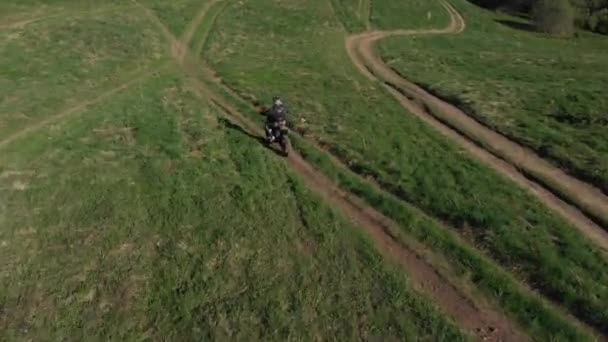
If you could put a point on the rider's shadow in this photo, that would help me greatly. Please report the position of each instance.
(260, 139)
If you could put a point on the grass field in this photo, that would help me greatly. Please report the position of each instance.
(361, 125)
(175, 14)
(410, 14)
(147, 215)
(546, 93)
(131, 208)
(456, 259)
(358, 15)
(186, 229)
(70, 57)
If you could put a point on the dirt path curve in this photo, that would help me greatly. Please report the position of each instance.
(482, 322)
(79, 107)
(521, 165)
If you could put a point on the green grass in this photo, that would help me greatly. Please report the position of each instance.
(410, 14)
(359, 123)
(35, 8)
(201, 34)
(149, 216)
(175, 14)
(70, 59)
(352, 14)
(540, 320)
(546, 93)
(465, 264)
(357, 15)
(15, 13)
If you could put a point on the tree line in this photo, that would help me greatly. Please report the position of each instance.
(559, 17)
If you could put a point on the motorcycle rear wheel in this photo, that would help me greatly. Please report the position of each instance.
(285, 145)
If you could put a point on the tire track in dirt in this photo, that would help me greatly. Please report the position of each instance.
(480, 321)
(521, 165)
(78, 108)
(211, 21)
(189, 32)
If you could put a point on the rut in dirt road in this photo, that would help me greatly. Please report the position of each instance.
(482, 322)
(584, 206)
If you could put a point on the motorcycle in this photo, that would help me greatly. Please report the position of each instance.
(277, 132)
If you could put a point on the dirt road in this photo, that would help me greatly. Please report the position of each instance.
(583, 205)
(482, 322)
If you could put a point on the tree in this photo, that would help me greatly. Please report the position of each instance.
(598, 21)
(554, 17)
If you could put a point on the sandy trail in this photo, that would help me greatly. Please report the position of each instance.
(482, 322)
(583, 205)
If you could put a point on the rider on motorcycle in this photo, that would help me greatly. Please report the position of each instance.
(274, 117)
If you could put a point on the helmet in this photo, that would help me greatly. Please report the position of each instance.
(276, 101)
